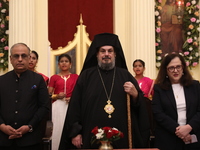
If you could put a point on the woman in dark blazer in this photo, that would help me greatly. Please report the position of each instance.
(176, 106)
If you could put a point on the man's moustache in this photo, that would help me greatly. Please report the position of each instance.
(106, 58)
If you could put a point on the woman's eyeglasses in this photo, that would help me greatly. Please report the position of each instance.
(172, 68)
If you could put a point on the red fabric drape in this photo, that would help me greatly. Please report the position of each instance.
(64, 16)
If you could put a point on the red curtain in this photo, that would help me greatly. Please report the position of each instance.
(64, 16)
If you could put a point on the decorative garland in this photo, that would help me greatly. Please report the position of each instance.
(158, 9)
(4, 19)
(191, 22)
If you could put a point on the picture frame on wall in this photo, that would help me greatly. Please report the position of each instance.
(177, 30)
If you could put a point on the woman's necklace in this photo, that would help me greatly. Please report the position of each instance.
(177, 92)
(65, 82)
(109, 108)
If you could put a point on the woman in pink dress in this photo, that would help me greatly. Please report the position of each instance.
(60, 87)
(146, 85)
(33, 62)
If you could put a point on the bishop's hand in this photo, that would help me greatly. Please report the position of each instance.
(77, 141)
(130, 89)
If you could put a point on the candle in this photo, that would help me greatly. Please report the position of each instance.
(179, 3)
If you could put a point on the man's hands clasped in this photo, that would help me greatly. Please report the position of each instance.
(14, 133)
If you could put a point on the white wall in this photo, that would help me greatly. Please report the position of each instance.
(29, 24)
(134, 24)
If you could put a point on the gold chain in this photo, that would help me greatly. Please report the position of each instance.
(109, 108)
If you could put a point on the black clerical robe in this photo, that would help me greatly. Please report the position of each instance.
(86, 109)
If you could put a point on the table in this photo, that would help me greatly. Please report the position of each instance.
(127, 149)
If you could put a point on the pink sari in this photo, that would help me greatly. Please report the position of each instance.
(146, 85)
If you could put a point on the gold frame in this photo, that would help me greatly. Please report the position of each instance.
(80, 43)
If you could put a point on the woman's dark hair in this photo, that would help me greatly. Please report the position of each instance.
(36, 54)
(65, 55)
(141, 61)
(162, 79)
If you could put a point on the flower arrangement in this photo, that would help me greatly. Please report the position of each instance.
(158, 9)
(106, 134)
(191, 28)
(4, 18)
(190, 49)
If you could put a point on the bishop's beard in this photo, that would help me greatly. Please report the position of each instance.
(106, 66)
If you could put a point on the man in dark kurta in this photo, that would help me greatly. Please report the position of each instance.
(24, 102)
(104, 76)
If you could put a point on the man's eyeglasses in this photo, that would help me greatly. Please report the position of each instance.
(172, 68)
(17, 56)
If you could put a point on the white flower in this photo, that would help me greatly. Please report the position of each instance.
(195, 38)
(158, 64)
(190, 58)
(198, 28)
(197, 21)
(159, 17)
(7, 32)
(189, 12)
(196, 54)
(100, 133)
(190, 48)
(158, 58)
(3, 10)
(156, 13)
(193, 2)
(188, 33)
(158, 40)
(2, 61)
